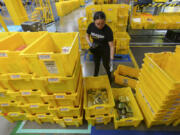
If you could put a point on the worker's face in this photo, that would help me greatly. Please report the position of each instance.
(100, 23)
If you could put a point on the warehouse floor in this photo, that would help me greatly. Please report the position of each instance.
(139, 46)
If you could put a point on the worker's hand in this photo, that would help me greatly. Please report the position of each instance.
(90, 44)
(111, 65)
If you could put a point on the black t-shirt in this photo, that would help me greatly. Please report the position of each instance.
(101, 37)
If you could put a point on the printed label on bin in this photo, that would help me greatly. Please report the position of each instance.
(128, 120)
(60, 96)
(13, 114)
(176, 104)
(41, 116)
(26, 93)
(99, 119)
(68, 120)
(3, 55)
(51, 67)
(100, 107)
(44, 57)
(172, 108)
(15, 76)
(178, 99)
(53, 79)
(2, 95)
(64, 109)
(34, 106)
(5, 104)
(169, 112)
(125, 81)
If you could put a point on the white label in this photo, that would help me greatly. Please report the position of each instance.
(5, 104)
(128, 120)
(26, 93)
(53, 80)
(15, 76)
(41, 116)
(2, 95)
(51, 67)
(44, 57)
(64, 109)
(169, 112)
(110, 9)
(100, 107)
(13, 114)
(34, 106)
(66, 50)
(172, 108)
(68, 120)
(178, 99)
(177, 22)
(59, 96)
(99, 119)
(3, 55)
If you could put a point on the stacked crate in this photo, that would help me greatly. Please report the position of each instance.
(116, 18)
(41, 77)
(98, 113)
(83, 24)
(158, 89)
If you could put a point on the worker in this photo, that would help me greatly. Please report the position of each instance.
(102, 46)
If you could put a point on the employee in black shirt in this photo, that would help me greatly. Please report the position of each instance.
(102, 46)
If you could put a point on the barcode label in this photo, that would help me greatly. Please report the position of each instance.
(5, 104)
(41, 116)
(44, 57)
(26, 93)
(15, 76)
(13, 114)
(34, 106)
(51, 67)
(60, 96)
(3, 55)
(128, 120)
(68, 120)
(100, 107)
(64, 109)
(53, 80)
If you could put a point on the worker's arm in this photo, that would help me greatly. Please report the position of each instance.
(88, 39)
(111, 45)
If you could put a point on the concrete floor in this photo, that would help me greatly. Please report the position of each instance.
(69, 24)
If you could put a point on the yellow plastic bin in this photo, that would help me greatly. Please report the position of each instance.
(5, 97)
(82, 22)
(121, 27)
(42, 118)
(35, 108)
(28, 96)
(4, 35)
(122, 40)
(137, 115)
(99, 119)
(125, 81)
(176, 123)
(66, 99)
(128, 71)
(53, 54)
(10, 49)
(111, 11)
(69, 121)
(162, 64)
(15, 116)
(137, 22)
(95, 83)
(58, 84)
(90, 10)
(66, 111)
(11, 106)
(21, 81)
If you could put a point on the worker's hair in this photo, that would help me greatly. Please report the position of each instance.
(99, 15)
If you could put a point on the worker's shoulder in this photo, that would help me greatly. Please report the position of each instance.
(108, 28)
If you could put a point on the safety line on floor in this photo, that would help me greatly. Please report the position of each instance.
(20, 130)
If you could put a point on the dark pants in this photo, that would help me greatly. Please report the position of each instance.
(103, 54)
